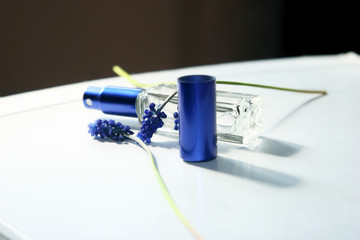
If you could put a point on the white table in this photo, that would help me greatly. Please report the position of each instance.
(301, 182)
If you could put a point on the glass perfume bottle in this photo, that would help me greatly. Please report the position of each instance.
(238, 115)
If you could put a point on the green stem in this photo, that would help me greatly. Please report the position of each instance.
(121, 72)
(273, 87)
(166, 101)
(164, 189)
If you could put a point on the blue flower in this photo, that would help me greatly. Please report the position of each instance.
(109, 130)
(152, 120)
(176, 121)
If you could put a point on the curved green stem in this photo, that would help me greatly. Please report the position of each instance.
(164, 189)
(166, 101)
(122, 73)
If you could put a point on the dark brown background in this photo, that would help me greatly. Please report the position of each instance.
(49, 43)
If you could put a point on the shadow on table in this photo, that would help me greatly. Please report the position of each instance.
(169, 144)
(276, 147)
(248, 171)
(267, 146)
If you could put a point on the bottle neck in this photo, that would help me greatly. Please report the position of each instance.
(112, 100)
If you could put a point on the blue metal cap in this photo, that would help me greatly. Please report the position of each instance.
(197, 117)
(112, 100)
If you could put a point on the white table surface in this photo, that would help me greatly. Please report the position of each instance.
(301, 182)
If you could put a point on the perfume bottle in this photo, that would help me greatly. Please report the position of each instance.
(238, 115)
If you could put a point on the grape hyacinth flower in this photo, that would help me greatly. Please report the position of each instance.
(176, 121)
(152, 120)
(109, 129)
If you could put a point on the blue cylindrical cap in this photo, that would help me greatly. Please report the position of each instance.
(112, 100)
(197, 117)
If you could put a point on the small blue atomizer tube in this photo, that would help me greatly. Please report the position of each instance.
(197, 117)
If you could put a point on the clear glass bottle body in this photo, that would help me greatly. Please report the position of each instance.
(238, 115)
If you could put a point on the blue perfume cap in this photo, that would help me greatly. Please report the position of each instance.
(197, 117)
(112, 100)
